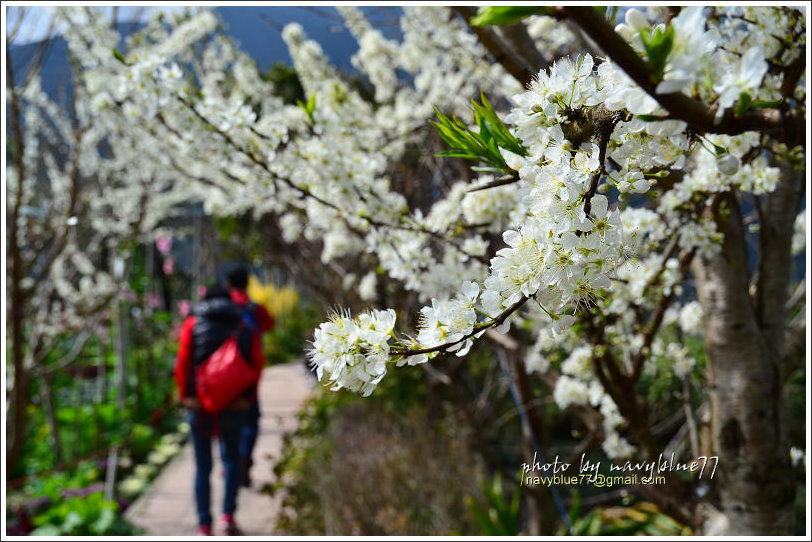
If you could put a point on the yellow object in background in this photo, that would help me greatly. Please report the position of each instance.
(280, 302)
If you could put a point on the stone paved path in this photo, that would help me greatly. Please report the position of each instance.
(167, 508)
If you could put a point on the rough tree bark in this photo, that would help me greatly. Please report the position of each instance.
(15, 413)
(754, 479)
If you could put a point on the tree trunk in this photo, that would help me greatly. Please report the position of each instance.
(15, 415)
(15, 412)
(754, 478)
(541, 516)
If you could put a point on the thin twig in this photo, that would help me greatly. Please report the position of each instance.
(445, 346)
(501, 181)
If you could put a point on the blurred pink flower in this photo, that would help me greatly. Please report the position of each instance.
(130, 295)
(184, 307)
(152, 300)
(164, 244)
(201, 292)
(102, 333)
(169, 266)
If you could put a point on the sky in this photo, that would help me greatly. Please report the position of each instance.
(36, 19)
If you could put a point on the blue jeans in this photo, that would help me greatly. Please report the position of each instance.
(201, 424)
(250, 429)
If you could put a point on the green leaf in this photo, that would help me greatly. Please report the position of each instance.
(498, 15)
(658, 46)
(762, 104)
(309, 108)
(502, 135)
(575, 509)
(117, 54)
(486, 169)
(745, 100)
(610, 13)
(482, 146)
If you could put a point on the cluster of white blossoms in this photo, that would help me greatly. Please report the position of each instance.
(721, 61)
(682, 361)
(691, 318)
(496, 207)
(352, 352)
(450, 321)
(577, 385)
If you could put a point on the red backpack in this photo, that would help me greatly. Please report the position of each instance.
(224, 376)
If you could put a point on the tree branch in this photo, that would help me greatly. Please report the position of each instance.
(445, 346)
(65, 360)
(788, 127)
(502, 52)
(501, 181)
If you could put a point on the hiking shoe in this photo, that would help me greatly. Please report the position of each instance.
(204, 530)
(229, 526)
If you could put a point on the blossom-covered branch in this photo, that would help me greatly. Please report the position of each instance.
(787, 124)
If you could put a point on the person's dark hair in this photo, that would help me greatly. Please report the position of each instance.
(217, 292)
(238, 278)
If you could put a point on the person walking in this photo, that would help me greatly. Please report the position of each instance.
(210, 324)
(257, 316)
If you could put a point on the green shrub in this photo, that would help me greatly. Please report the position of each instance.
(83, 516)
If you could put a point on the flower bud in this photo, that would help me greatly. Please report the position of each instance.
(636, 19)
(728, 164)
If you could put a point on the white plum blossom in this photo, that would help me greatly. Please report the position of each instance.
(352, 352)
(450, 321)
(690, 51)
(570, 391)
(751, 70)
(728, 164)
(690, 318)
(616, 447)
(797, 457)
(682, 361)
(634, 181)
(367, 286)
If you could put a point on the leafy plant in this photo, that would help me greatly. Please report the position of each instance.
(309, 108)
(83, 516)
(482, 146)
(499, 516)
(643, 518)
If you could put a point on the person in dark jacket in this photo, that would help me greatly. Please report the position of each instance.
(209, 325)
(259, 317)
